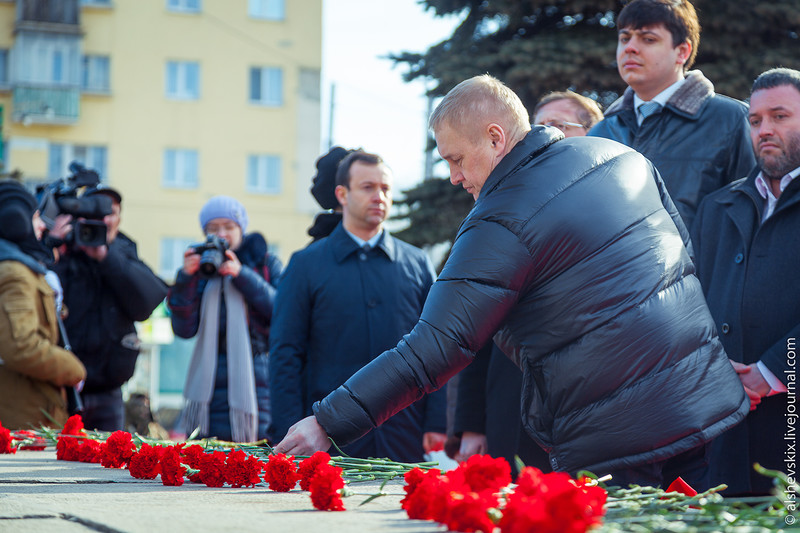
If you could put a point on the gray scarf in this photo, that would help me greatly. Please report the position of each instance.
(203, 366)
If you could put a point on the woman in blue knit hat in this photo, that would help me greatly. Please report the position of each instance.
(229, 310)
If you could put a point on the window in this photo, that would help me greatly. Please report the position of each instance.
(104, 3)
(43, 58)
(266, 86)
(183, 80)
(267, 9)
(171, 260)
(95, 75)
(3, 67)
(264, 174)
(61, 155)
(180, 169)
(186, 6)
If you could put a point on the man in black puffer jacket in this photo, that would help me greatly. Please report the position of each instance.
(106, 289)
(575, 256)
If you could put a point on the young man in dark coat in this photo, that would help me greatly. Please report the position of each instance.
(343, 300)
(106, 289)
(697, 139)
(748, 250)
(575, 256)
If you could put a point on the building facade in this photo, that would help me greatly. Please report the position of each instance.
(172, 102)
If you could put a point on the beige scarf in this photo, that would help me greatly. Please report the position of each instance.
(203, 366)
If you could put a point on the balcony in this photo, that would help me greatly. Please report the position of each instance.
(58, 16)
(46, 104)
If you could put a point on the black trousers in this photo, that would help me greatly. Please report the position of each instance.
(691, 465)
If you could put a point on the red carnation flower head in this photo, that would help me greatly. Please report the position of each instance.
(469, 511)
(144, 464)
(117, 450)
(281, 473)
(5, 441)
(73, 426)
(89, 450)
(485, 473)
(192, 455)
(68, 448)
(29, 438)
(326, 488)
(212, 469)
(308, 467)
(172, 471)
(242, 470)
(416, 507)
(529, 481)
(429, 499)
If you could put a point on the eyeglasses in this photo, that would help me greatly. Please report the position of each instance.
(563, 125)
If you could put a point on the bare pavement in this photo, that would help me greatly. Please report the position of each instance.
(42, 495)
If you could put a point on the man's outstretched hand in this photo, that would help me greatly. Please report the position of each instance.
(304, 438)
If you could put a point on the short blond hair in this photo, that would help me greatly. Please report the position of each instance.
(478, 101)
(588, 110)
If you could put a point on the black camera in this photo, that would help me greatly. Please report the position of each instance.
(212, 255)
(61, 197)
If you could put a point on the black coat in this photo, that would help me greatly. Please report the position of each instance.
(699, 142)
(749, 274)
(104, 300)
(570, 253)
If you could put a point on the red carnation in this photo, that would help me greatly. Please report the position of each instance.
(89, 450)
(73, 426)
(416, 507)
(485, 473)
(308, 467)
(212, 469)
(242, 470)
(172, 471)
(144, 464)
(35, 442)
(280, 473)
(192, 455)
(5, 441)
(117, 450)
(68, 448)
(469, 511)
(325, 488)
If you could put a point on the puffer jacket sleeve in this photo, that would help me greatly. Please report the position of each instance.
(257, 292)
(137, 290)
(669, 205)
(25, 347)
(183, 301)
(479, 285)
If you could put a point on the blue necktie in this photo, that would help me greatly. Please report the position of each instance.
(649, 108)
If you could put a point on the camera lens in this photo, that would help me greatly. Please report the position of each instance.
(210, 262)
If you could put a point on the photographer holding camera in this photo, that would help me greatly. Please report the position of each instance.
(224, 295)
(34, 370)
(106, 289)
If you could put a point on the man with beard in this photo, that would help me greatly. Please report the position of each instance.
(748, 249)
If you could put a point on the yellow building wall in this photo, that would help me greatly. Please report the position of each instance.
(137, 122)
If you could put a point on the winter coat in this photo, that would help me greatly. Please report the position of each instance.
(572, 252)
(33, 368)
(104, 299)
(746, 269)
(699, 142)
(257, 281)
(338, 307)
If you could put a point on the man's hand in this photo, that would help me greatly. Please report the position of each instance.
(98, 253)
(472, 444)
(432, 441)
(304, 438)
(62, 225)
(753, 381)
(231, 267)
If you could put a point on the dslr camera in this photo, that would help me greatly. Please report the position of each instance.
(62, 197)
(212, 255)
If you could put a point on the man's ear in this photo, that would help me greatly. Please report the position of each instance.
(497, 136)
(684, 51)
(341, 194)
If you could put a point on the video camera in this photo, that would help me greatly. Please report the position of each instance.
(61, 197)
(212, 254)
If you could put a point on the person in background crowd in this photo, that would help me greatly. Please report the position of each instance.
(697, 139)
(322, 188)
(568, 111)
(487, 416)
(748, 250)
(344, 299)
(575, 256)
(106, 289)
(229, 310)
(34, 370)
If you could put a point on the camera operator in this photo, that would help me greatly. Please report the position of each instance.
(34, 370)
(106, 289)
(225, 297)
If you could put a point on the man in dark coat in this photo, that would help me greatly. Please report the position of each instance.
(696, 138)
(574, 255)
(345, 299)
(106, 289)
(748, 251)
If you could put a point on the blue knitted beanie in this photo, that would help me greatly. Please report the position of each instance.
(224, 207)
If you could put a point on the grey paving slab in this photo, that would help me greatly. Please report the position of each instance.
(40, 494)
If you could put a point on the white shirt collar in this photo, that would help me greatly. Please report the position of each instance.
(766, 191)
(372, 242)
